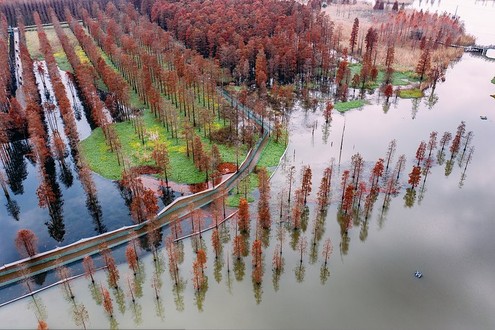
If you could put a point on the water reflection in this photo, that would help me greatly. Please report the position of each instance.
(324, 275)
(342, 229)
(386, 186)
(12, 157)
(239, 269)
(178, 292)
(137, 313)
(94, 208)
(120, 299)
(200, 295)
(50, 197)
(300, 272)
(224, 249)
(12, 208)
(37, 305)
(80, 315)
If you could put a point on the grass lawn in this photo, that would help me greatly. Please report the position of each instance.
(404, 78)
(399, 78)
(345, 106)
(244, 189)
(104, 162)
(78, 49)
(33, 45)
(413, 93)
(270, 158)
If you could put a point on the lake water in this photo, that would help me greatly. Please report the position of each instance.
(447, 234)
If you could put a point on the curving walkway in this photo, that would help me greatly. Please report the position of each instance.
(180, 207)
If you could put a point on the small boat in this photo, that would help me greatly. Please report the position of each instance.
(418, 274)
(483, 118)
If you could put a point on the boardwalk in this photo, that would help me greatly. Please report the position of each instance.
(486, 51)
(178, 208)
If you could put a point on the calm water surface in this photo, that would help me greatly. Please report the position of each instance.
(447, 234)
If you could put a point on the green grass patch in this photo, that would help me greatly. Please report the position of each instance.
(104, 162)
(270, 158)
(62, 61)
(346, 106)
(399, 78)
(244, 189)
(33, 45)
(355, 69)
(404, 78)
(413, 93)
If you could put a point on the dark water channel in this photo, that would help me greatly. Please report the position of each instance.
(446, 232)
(73, 217)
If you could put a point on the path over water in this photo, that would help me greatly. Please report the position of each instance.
(178, 208)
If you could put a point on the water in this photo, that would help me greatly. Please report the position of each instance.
(73, 217)
(447, 234)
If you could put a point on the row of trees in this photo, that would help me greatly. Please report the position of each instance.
(170, 80)
(48, 191)
(43, 96)
(66, 110)
(13, 9)
(6, 66)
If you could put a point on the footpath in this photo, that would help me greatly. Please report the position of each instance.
(42, 262)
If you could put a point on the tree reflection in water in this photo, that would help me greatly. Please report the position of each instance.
(200, 295)
(324, 274)
(12, 157)
(229, 265)
(137, 313)
(178, 291)
(239, 269)
(12, 208)
(300, 271)
(53, 195)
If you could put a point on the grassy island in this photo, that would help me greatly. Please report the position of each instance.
(182, 170)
